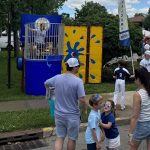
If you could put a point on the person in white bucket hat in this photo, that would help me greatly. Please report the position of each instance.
(147, 47)
(69, 90)
(145, 62)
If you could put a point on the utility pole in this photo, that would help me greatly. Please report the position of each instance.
(9, 45)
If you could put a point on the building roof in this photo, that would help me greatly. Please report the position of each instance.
(137, 19)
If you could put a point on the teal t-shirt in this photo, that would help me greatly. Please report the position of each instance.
(93, 122)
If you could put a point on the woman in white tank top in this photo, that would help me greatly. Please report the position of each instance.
(140, 121)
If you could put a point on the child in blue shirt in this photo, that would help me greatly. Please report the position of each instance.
(93, 132)
(112, 140)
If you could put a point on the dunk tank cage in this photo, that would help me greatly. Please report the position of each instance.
(43, 54)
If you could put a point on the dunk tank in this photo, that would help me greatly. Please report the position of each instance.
(42, 37)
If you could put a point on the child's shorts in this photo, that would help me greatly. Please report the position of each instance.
(91, 146)
(112, 143)
(69, 127)
(142, 131)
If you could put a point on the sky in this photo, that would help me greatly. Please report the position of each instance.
(132, 6)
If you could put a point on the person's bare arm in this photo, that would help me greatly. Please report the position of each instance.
(114, 77)
(106, 126)
(136, 111)
(135, 115)
(98, 146)
(83, 105)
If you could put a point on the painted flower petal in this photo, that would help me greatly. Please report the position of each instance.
(82, 37)
(92, 76)
(81, 49)
(93, 61)
(80, 75)
(66, 34)
(74, 31)
(93, 36)
(98, 41)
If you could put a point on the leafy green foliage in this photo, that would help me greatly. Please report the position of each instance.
(147, 20)
(18, 7)
(94, 14)
(90, 14)
(67, 20)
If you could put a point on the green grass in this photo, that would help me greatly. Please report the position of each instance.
(29, 119)
(106, 88)
(21, 120)
(15, 92)
(34, 118)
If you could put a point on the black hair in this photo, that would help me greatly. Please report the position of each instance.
(68, 68)
(112, 107)
(143, 75)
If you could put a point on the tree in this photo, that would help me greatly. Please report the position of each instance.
(94, 14)
(91, 14)
(18, 7)
(67, 20)
(139, 14)
(147, 21)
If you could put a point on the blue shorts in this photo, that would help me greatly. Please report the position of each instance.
(142, 131)
(67, 127)
(91, 146)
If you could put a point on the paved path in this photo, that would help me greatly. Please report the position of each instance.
(81, 145)
(28, 104)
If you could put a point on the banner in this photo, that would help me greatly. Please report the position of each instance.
(124, 35)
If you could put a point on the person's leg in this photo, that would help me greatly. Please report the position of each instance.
(135, 145)
(116, 92)
(122, 99)
(61, 132)
(148, 144)
(71, 144)
(59, 143)
(107, 148)
(72, 131)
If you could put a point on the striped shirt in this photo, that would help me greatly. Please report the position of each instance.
(145, 106)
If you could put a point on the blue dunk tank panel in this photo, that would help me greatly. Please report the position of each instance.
(37, 71)
(75, 45)
(75, 42)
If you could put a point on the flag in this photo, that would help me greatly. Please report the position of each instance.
(124, 35)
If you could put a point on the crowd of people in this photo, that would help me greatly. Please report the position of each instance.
(69, 92)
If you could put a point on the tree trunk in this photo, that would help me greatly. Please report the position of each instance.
(16, 43)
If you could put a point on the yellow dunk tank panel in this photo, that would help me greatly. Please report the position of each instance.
(75, 42)
(75, 45)
(95, 57)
